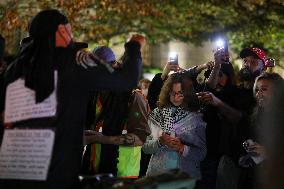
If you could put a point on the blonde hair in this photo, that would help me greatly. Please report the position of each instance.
(144, 80)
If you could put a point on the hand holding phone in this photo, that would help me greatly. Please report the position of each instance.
(221, 53)
(247, 144)
(256, 151)
(173, 58)
(139, 38)
(270, 62)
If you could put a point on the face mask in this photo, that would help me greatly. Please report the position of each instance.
(63, 36)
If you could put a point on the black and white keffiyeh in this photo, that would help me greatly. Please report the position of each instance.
(83, 59)
(86, 60)
(166, 118)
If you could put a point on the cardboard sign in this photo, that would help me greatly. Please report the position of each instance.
(26, 154)
(20, 103)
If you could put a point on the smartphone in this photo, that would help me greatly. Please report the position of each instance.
(173, 58)
(255, 157)
(270, 62)
(247, 144)
(171, 133)
(222, 45)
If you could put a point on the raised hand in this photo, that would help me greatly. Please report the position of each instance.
(172, 143)
(85, 59)
(169, 67)
(257, 148)
(139, 38)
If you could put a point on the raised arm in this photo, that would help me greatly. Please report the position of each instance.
(100, 78)
(212, 81)
(219, 59)
(232, 115)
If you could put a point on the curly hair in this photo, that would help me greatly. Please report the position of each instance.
(190, 101)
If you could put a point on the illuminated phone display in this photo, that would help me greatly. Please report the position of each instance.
(173, 58)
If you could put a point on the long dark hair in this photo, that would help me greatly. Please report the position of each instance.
(226, 69)
(257, 117)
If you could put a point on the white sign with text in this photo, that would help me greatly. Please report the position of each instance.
(20, 103)
(26, 154)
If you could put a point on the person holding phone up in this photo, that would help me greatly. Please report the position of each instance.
(217, 99)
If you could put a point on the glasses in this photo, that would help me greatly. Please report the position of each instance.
(179, 93)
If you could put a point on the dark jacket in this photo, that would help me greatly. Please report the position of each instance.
(154, 90)
(73, 88)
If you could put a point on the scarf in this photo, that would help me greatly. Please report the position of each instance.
(166, 118)
(36, 60)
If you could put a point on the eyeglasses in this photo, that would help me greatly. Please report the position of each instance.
(179, 93)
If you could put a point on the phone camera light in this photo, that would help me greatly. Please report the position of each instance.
(173, 55)
(220, 43)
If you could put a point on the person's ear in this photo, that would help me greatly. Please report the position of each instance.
(63, 36)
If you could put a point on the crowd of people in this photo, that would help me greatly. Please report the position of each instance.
(106, 121)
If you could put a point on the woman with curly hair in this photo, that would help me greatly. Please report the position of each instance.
(177, 137)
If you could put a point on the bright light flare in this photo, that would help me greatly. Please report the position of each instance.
(172, 55)
(220, 43)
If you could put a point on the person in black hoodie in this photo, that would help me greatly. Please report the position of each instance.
(51, 52)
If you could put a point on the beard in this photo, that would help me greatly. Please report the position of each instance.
(246, 74)
(260, 103)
